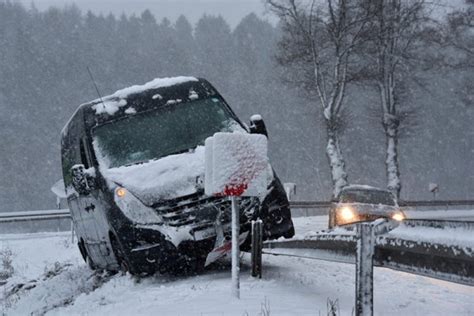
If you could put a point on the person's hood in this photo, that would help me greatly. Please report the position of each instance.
(163, 179)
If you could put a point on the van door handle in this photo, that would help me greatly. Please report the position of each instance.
(90, 207)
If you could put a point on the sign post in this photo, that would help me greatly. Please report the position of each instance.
(235, 248)
(236, 166)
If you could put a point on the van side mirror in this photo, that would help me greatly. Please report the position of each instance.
(257, 125)
(81, 180)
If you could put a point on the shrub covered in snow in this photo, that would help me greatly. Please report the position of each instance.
(6, 258)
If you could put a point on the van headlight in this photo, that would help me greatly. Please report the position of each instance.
(134, 209)
(398, 216)
(347, 213)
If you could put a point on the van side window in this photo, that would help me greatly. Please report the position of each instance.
(84, 157)
(68, 161)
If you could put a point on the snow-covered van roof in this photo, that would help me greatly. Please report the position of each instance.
(139, 98)
(112, 103)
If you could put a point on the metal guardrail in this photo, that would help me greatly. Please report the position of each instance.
(31, 215)
(454, 262)
(308, 208)
(309, 204)
(35, 221)
(34, 215)
(437, 203)
(377, 244)
(326, 204)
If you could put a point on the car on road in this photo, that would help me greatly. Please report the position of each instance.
(358, 203)
(133, 168)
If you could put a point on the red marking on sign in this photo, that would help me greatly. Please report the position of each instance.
(247, 171)
(234, 190)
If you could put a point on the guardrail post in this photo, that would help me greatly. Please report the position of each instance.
(256, 251)
(364, 295)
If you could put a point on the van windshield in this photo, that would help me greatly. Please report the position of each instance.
(367, 197)
(171, 130)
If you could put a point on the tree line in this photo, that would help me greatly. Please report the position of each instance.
(44, 57)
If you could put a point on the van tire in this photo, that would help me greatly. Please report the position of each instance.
(290, 233)
(82, 249)
(85, 255)
(90, 263)
(122, 262)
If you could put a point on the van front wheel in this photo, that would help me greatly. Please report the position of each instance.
(85, 255)
(90, 263)
(122, 261)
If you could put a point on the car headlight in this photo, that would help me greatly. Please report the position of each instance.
(134, 209)
(399, 216)
(347, 213)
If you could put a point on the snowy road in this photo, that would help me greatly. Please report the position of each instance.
(61, 284)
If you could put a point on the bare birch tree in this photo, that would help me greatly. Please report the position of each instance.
(392, 49)
(459, 31)
(317, 48)
(458, 34)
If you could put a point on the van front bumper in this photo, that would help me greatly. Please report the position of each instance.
(151, 251)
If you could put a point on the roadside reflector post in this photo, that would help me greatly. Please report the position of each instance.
(236, 166)
(364, 296)
(256, 251)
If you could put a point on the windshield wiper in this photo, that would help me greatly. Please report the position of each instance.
(182, 151)
(137, 162)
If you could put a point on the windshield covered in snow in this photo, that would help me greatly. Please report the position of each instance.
(152, 135)
(367, 197)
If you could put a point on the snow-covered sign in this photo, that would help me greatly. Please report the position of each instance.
(236, 164)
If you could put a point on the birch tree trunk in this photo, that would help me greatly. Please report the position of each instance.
(391, 124)
(319, 43)
(336, 161)
(397, 26)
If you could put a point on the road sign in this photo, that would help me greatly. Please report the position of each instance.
(236, 165)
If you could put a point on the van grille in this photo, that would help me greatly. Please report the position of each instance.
(200, 211)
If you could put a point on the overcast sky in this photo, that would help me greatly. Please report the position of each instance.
(232, 10)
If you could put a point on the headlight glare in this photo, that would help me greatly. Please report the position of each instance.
(347, 213)
(398, 217)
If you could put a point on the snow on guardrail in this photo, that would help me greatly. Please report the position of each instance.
(435, 248)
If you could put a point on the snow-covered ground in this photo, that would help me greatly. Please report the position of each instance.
(454, 215)
(57, 282)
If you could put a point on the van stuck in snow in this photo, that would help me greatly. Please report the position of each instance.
(133, 168)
